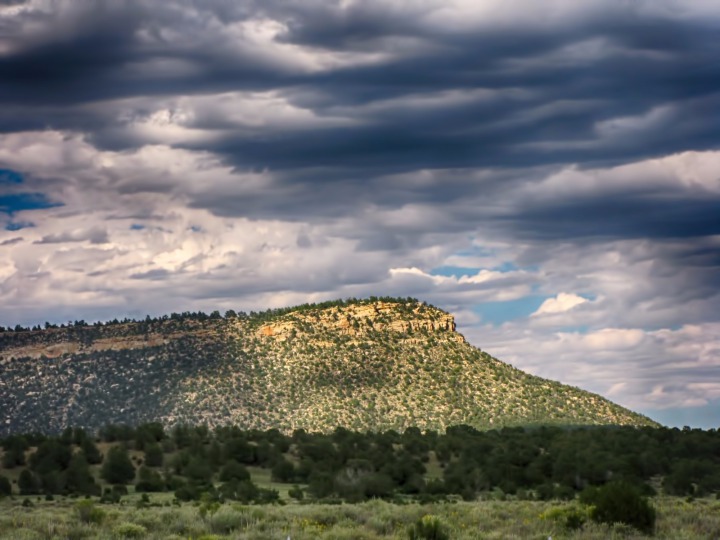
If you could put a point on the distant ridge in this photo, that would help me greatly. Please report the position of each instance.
(374, 364)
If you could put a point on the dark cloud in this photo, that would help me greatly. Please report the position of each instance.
(11, 241)
(599, 87)
(620, 63)
(152, 275)
(94, 236)
(617, 217)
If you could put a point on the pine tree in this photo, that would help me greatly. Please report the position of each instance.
(5, 487)
(28, 483)
(78, 478)
(117, 468)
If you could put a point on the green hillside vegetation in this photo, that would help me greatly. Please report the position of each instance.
(374, 364)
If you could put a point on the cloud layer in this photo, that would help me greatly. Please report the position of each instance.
(546, 172)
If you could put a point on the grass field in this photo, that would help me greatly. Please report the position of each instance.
(678, 519)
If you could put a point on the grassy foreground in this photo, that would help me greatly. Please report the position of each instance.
(678, 519)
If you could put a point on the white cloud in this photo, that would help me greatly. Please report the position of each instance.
(613, 339)
(561, 303)
(484, 286)
(641, 369)
(690, 172)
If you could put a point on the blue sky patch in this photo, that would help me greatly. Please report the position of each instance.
(704, 417)
(17, 202)
(457, 271)
(17, 225)
(577, 329)
(500, 312)
(8, 176)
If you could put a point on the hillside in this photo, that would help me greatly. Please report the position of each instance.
(363, 364)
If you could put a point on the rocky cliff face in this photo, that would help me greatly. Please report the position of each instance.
(359, 320)
(57, 343)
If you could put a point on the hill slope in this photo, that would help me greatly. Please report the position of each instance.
(373, 364)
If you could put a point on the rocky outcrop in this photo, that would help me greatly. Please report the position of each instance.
(36, 350)
(359, 319)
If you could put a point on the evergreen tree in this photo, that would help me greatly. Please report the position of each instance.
(14, 454)
(154, 455)
(28, 484)
(13, 457)
(198, 470)
(51, 456)
(91, 451)
(117, 467)
(78, 478)
(149, 480)
(283, 471)
(5, 487)
(232, 470)
(52, 482)
(244, 491)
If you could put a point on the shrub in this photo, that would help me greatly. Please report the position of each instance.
(110, 496)
(296, 493)
(144, 501)
(267, 496)
(226, 520)
(208, 508)
(188, 492)
(569, 517)
(620, 502)
(129, 530)
(87, 512)
(428, 528)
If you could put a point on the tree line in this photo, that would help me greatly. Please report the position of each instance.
(539, 463)
(259, 316)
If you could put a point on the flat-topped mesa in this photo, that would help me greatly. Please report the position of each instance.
(370, 364)
(359, 319)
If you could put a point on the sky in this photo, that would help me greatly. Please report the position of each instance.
(548, 172)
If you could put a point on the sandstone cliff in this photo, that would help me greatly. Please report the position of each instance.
(357, 320)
